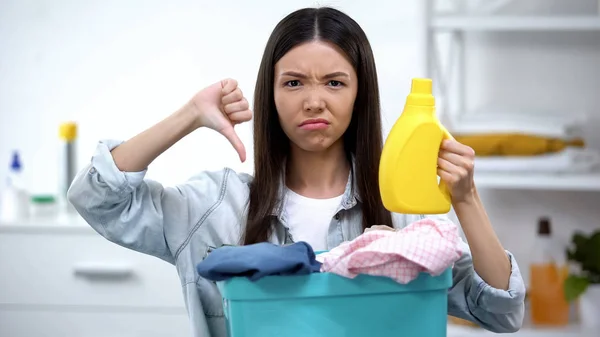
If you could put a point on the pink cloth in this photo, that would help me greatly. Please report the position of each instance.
(423, 246)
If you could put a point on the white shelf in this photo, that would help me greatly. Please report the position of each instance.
(571, 331)
(539, 181)
(515, 23)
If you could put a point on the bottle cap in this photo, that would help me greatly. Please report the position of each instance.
(15, 164)
(422, 86)
(544, 226)
(68, 131)
(421, 92)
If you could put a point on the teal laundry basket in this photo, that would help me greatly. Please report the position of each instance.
(329, 305)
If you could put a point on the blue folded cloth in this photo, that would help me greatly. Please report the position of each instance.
(259, 260)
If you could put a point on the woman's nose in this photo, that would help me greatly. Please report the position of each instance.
(314, 103)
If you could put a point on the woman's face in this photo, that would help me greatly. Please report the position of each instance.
(315, 89)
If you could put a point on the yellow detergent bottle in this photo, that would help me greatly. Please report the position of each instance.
(408, 168)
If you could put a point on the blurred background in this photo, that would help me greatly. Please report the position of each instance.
(517, 80)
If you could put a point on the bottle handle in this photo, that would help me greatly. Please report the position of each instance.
(442, 185)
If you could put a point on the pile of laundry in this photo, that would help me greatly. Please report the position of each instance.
(424, 246)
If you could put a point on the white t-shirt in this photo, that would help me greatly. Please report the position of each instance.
(308, 219)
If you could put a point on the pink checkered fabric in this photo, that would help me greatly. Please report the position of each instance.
(423, 246)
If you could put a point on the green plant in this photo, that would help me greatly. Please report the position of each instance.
(585, 252)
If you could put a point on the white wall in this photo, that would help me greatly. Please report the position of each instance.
(118, 67)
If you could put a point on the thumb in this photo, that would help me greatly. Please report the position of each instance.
(233, 138)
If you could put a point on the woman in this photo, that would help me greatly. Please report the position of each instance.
(317, 141)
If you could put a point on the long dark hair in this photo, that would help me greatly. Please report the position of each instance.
(362, 140)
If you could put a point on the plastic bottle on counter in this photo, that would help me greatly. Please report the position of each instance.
(547, 274)
(43, 206)
(14, 198)
(67, 169)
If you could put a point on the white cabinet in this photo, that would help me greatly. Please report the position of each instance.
(60, 278)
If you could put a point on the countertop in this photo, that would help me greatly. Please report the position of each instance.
(570, 331)
(66, 223)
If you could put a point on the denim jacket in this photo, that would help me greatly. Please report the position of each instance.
(182, 224)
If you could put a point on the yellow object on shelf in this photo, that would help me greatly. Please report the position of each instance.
(68, 131)
(408, 178)
(515, 144)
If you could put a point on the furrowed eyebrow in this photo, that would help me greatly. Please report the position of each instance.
(328, 76)
(293, 74)
(336, 74)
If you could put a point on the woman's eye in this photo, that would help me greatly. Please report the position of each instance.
(293, 83)
(335, 83)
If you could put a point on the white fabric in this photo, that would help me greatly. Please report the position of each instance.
(540, 124)
(308, 219)
(572, 160)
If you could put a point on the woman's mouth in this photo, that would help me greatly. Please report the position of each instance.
(314, 124)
